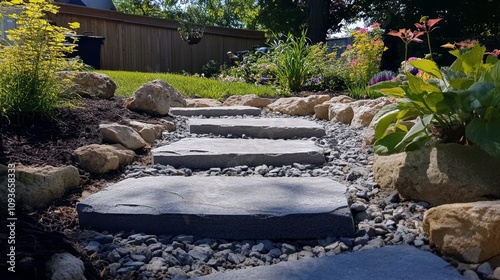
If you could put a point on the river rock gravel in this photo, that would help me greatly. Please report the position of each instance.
(381, 217)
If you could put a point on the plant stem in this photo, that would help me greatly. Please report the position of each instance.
(429, 44)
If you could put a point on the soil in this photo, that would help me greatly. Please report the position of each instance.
(51, 142)
(55, 229)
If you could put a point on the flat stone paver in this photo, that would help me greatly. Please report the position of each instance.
(222, 207)
(205, 153)
(216, 111)
(271, 128)
(387, 263)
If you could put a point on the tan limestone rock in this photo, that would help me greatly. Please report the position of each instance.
(321, 111)
(365, 110)
(341, 112)
(247, 100)
(152, 98)
(469, 232)
(90, 84)
(445, 173)
(37, 187)
(100, 159)
(115, 133)
(148, 131)
(202, 102)
(297, 106)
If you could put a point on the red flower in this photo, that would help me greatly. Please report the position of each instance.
(495, 52)
(427, 25)
(407, 35)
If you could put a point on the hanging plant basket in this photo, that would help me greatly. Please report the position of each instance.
(190, 33)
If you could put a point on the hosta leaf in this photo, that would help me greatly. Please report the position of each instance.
(485, 134)
(384, 122)
(427, 66)
(415, 130)
(387, 144)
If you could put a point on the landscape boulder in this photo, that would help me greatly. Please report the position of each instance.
(321, 111)
(441, 174)
(469, 232)
(153, 98)
(297, 106)
(341, 112)
(64, 266)
(202, 102)
(148, 131)
(37, 187)
(100, 159)
(115, 133)
(90, 84)
(365, 110)
(247, 100)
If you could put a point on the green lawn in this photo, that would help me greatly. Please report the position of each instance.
(128, 82)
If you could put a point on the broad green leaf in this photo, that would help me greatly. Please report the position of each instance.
(417, 85)
(485, 134)
(416, 129)
(478, 89)
(461, 83)
(495, 73)
(388, 88)
(490, 59)
(437, 103)
(387, 144)
(427, 66)
(470, 61)
(418, 142)
(384, 122)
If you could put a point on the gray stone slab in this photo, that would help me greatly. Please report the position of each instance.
(205, 153)
(222, 207)
(216, 111)
(271, 128)
(387, 263)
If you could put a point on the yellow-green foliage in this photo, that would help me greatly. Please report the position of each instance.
(29, 86)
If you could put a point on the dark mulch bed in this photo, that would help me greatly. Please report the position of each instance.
(52, 142)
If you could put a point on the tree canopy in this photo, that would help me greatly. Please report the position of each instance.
(463, 19)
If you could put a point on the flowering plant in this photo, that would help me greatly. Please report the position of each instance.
(363, 57)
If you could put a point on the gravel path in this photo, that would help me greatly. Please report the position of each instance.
(381, 217)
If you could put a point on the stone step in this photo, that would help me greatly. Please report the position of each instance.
(222, 207)
(387, 263)
(271, 128)
(205, 153)
(216, 111)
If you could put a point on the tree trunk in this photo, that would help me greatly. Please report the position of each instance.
(318, 20)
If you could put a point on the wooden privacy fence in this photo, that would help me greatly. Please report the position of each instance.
(146, 44)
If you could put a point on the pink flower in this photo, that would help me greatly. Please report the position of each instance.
(363, 31)
(375, 25)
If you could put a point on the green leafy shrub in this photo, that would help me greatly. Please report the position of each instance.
(29, 86)
(294, 61)
(459, 104)
(211, 69)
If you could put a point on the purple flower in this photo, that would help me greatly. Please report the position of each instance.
(381, 77)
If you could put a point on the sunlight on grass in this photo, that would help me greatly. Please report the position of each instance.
(129, 82)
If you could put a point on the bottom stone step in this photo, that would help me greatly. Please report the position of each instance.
(388, 263)
(222, 207)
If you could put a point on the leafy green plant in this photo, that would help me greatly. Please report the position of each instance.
(211, 69)
(460, 104)
(29, 86)
(292, 58)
